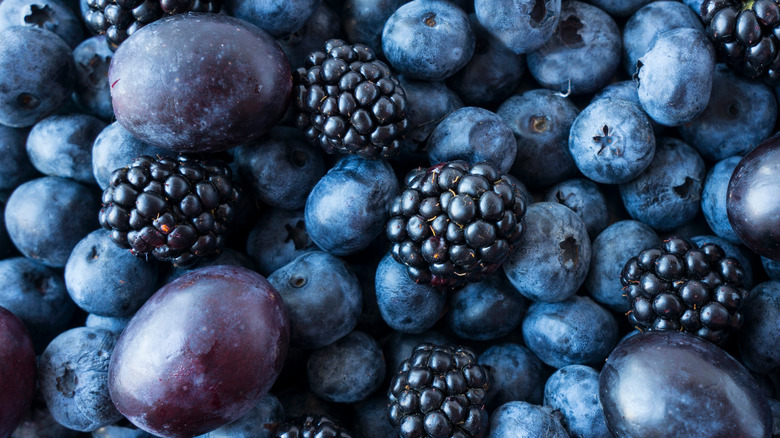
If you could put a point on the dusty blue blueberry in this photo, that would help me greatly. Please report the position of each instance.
(516, 374)
(574, 392)
(739, 252)
(668, 193)
(39, 423)
(114, 324)
(406, 306)
(281, 168)
(107, 280)
(277, 17)
(610, 252)
(259, 422)
(37, 74)
(228, 256)
(323, 24)
(621, 89)
(675, 76)
(585, 198)
(322, 296)
(474, 135)
(15, 166)
(371, 419)
(541, 120)
(650, 21)
(348, 207)
(120, 431)
(619, 8)
(37, 295)
(772, 268)
(486, 310)
(760, 334)
(587, 38)
(428, 39)
(114, 148)
(277, 238)
(73, 378)
(551, 260)
(61, 145)
(52, 15)
(519, 419)
(364, 20)
(48, 216)
(612, 141)
(577, 331)
(6, 246)
(522, 25)
(695, 5)
(348, 370)
(740, 115)
(92, 91)
(714, 197)
(774, 405)
(399, 346)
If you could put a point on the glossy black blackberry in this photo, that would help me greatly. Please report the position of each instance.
(439, 392)
(118, 19)
(746, 34)
(177, 209)
(311, 426)
(455, 223)
(347, 101)
(679, 286)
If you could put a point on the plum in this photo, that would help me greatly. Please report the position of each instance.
(17, 371)
(201, 352)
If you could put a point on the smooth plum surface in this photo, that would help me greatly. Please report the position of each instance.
(201, 352)
(17, 371)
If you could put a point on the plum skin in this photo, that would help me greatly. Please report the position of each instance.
(18, 371)
(201, 352)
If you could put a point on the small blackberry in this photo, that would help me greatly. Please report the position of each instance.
(455, 223)
(176, 209)
(311, 426)
(439, 392)
(746, 35)
(118, 19)
(679, 286)
(347, 101)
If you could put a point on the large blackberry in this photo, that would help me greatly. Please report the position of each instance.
(118, 19)
(455, 223)
(176, 209)
(311, 426)
(679, 286)
(347, 101)
(746, 35)
(439, 392)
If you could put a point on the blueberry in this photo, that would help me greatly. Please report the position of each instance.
(668, 193)
(92, 92)
(280, 18)
(713, 198)
(260, 422)
(521, 25)
(52, 15)
(541, 120)
(429, 103)
(114, 324)
(586, 199)
(371, 419)
(612, 141)
(323, 24)
(620, 8)
(516, 373)
(675, 76)
(15, 166)
(577, 331)
(474, 135)
(519, 419)
(772, 268)
(551, 261)
(428, 39)
(62, 146)
(364, 20)
(322, 296)
(115, 148)
(586, 37)
(574, 392)
(39, 423)
(277, 238)
(120, 431)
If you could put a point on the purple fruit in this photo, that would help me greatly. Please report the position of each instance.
(200, 353)
(17, 371)
(752, 204)
(199, 82)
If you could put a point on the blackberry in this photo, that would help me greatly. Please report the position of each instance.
(679, 286)
(311, 426)
(177, 209)
(347, 101)
(439, 392)
(118, 19)
(455, 223)
(746, 35)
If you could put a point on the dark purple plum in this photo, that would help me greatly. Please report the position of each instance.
(752, 205)
(200, 353)
(675, 384)
(17, 371)
(199, 82)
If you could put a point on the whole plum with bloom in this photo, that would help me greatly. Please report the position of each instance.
(521, 26)
(18, 368)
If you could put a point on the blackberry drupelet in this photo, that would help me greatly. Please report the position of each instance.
(311, 426)
(746, 34)
(176, 209)
(348, 101)
(679, 286)
(439, 392)
(118, 19)
(455, 223)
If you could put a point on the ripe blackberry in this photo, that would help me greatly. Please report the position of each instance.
(311, 426)
(176, 209)
(679, 286)
(439, 392)
(347, 101)
(746, 35)
(118, 19)
(455, 223)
